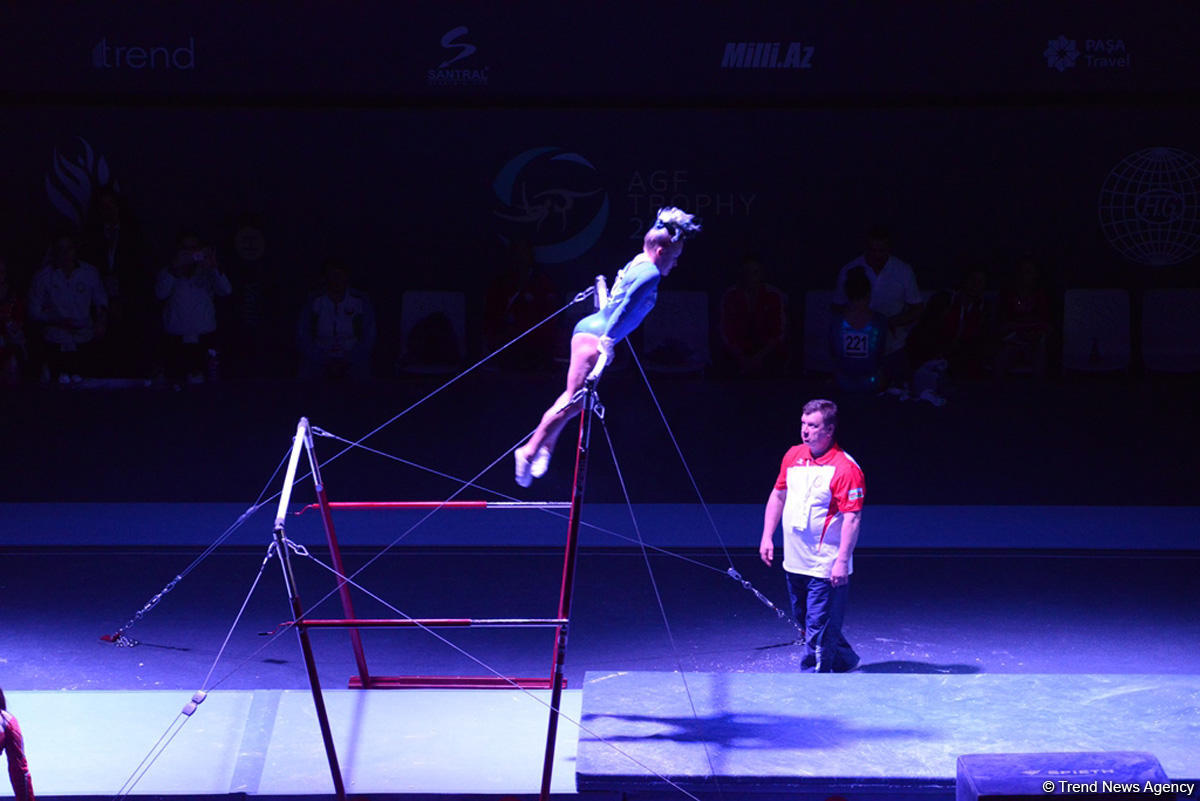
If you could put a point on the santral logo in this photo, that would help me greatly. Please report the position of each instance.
(444, 75)
(448, 42)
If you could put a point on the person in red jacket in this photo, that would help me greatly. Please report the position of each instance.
(753, 324)
(13, 746)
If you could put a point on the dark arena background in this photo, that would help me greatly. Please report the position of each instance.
(1024, 596)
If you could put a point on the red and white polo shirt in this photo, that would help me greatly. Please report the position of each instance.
(819, 491)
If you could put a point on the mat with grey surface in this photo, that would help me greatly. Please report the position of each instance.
(267, 743)
(783, 732)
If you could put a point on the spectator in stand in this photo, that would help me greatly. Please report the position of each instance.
(951, 337)
(966, 327)
(753, 324)
(1025, 327)
(516, 301)
(187, 287)
(258, 300)
(927, 347)
(112, 242)
(337, 329)
(13, 746)
(68, 300)
(857, 338)
(13, 355)
(894, 294)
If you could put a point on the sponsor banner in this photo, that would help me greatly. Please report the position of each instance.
(430, 198)
(1063, 53)
(1149, 206)
(554, 199)
(477, 51)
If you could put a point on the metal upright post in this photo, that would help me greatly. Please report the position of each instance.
(335, 553)
(285, 561)
(299, 442)
(570, 555)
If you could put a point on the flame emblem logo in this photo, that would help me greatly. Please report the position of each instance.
(71, 181)
(553, 198)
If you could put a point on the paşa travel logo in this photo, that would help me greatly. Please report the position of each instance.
(1063, 54)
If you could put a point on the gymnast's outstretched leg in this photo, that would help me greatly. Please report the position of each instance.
(585, 349)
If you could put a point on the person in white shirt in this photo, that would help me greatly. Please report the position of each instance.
(894, 294)
(337, 329)
(187, 288)
(68, 299)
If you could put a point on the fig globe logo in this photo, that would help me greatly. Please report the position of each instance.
(1150, 206)
(1061, 54)
(554, 199)
(72, 180)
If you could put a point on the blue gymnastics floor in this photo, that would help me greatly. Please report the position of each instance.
(931, 626)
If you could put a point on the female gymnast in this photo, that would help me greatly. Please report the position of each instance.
(13, 745)
(634, 292)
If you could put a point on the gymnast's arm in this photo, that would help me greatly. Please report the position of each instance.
(18, 768)
(635, 305)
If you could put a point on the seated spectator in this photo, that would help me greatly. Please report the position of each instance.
(12, 330)
(928, 347)
(68, 300)
(337, 329)
(894, 294)
(187, 288)
(262, 318)
(857, 337)
(112, 242)
(752, 324)
(1025, 327)
(516, 301)
(966, 328)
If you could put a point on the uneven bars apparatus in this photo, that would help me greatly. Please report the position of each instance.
(364, 680)
(303, 438)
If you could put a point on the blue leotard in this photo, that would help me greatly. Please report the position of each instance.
(632, 297)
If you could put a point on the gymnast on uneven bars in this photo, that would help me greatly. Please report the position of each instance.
(634, 292)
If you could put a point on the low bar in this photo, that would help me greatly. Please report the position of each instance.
(510, 505)
(451, 683)
(437, 622)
